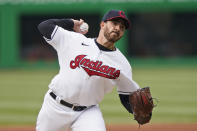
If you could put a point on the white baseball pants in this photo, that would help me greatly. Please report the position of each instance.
(56, 117)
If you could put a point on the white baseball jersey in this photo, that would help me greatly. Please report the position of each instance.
(87, 73)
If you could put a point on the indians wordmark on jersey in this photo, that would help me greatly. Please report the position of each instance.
(94, 68)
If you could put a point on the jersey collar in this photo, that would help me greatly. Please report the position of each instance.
(101, 47)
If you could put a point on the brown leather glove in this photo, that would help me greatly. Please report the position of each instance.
(142, 105)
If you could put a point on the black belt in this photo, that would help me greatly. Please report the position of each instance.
(75, 108)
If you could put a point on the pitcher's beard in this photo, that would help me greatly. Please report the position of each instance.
(110, 37)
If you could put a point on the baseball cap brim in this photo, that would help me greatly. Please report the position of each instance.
(126, 21)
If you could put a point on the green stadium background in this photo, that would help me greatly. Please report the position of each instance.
(161, 46)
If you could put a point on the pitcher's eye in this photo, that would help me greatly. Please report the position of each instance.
(115, 22)
(122, 27)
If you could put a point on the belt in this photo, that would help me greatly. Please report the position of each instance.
(75, 108)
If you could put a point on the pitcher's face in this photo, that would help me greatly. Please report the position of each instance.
(113, 30)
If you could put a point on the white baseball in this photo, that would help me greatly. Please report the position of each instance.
(84, 27)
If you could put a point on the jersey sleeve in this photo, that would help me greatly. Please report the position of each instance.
(60, 37)
(126, 84)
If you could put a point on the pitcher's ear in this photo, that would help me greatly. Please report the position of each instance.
(102, 24)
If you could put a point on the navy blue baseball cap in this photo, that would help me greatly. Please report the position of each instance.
(114, 14)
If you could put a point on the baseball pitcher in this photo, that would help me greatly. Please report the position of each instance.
(89, 68)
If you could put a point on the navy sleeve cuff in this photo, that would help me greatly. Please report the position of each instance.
(46, 27)
(125, 102)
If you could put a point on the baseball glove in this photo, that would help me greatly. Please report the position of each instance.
(142, 105)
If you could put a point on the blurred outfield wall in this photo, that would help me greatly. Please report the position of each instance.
(16, 33)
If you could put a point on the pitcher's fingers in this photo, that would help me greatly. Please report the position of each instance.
(85, 32)
(81, 21)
